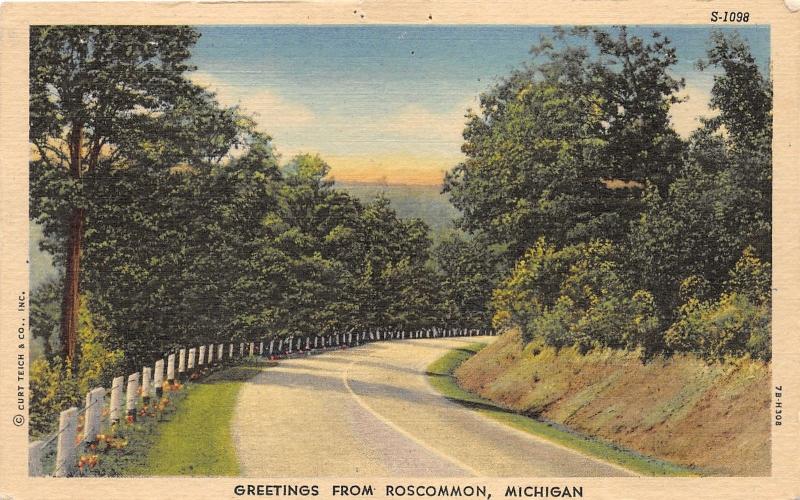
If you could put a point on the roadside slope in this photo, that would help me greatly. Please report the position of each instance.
(682, 410)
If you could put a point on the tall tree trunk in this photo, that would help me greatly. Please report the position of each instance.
(70, 302)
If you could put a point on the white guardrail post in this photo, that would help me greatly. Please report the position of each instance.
(158, 378)
(131, 394)
(171, 369)
(115, 411)
(146, 385)
(182, 364)
(66, 449)
(94, 411)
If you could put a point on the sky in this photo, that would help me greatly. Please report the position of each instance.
(386, 103)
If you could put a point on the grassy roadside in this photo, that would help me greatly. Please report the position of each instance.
(196, 441)
(440, 374)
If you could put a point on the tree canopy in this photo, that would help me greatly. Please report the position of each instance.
(564, 146)
(573, 156)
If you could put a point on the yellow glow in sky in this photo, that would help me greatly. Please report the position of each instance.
(391, 169)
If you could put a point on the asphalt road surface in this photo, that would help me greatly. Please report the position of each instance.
(370, 412)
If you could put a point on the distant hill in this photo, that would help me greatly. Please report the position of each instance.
(424, 202)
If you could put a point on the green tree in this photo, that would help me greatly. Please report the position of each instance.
(562, 147)
(720, 202)
(743, 97)
(741, 93)
(396, 255)
(467, 272)
(99, 96)
(317, 236)
(634, 89)
(176, 255)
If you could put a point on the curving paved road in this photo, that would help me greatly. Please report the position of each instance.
(369, 412)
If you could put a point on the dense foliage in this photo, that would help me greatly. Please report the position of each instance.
(575, 295)
(562, 147)
(613, 230)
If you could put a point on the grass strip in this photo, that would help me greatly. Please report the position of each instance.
(440, 375)
(197, 441)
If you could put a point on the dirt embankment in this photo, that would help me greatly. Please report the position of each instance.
(714, 417)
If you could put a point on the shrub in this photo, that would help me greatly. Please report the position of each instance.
(575, 296)
(531, 289)
(730, 326)
(553, 325)
(97, 364)
(578, 296)
(55, 388)
(751, 277)
(646, 331)
(736, 324)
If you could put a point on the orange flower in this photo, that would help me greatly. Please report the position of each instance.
(87, 460)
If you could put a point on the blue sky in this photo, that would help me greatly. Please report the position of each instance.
(386, 103)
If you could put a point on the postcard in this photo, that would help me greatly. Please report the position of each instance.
(408, 249)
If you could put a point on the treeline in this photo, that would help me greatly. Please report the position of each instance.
(189, 227)
(598, 224)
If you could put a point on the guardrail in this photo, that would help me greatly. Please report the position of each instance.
(79, 430)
